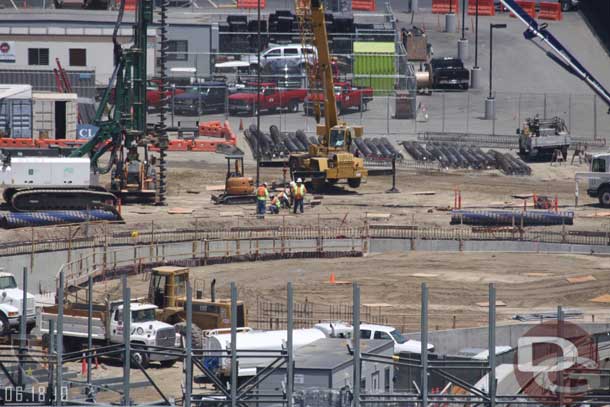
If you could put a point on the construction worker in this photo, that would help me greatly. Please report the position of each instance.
(283, 197)
(299, 194)
(292, 185)
(262, 195)
(275, 205)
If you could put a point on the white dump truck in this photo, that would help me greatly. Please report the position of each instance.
(598, 178)
(256, 341)
(11, 305)
(107, 328)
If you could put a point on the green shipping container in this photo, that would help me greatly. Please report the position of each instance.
(374, 66)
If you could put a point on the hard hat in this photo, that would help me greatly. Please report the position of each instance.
(299, 180)
(264, 183)
(271, 196)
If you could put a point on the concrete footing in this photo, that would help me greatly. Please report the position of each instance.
(475, 77)
(462, 48)
(490, 108)
(450, 23)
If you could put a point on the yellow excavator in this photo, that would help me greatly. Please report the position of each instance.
(331, 160)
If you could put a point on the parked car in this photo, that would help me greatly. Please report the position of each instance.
(207, 97)
(307, 53)
(449, 72)
(272, 98)
(347, 97)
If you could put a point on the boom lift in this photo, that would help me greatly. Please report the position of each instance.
(331, 160)
(43, 183)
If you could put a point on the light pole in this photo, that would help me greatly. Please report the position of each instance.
(475, 73)
(258, 96)
(490, 102)
(463, 42)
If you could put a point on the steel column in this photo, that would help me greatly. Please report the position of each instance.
(290, 347)
(89, 325)
(234, 366)
(491, 336)
(424, 345)
(188, 361)
(356, 339)
(60, 338)
(126, 336)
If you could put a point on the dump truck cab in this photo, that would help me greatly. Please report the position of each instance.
(167, 290)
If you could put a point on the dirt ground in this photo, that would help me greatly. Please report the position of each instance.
(391, 294)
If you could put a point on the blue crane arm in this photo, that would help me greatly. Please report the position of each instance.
(535, 30)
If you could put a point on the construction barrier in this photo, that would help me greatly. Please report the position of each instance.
(486, 8)
(250, 3)
(444, 6)
(130, 5)
(364, 5)
(16, 142)
(204, 145)
(550, 11)
(528, 6)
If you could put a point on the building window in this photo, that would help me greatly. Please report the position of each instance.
(177, 50)
(78, 57)
(38, 56)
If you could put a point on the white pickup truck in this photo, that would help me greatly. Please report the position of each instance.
(251, 340)
(598, 178)
(11, 305)
(107, 328)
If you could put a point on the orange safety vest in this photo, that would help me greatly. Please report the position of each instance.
(262, 193)
(299, 192)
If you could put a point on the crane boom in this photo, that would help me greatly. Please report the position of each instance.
(320, 39)
(534, 30)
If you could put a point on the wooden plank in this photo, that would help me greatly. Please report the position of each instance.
(580, 279)
(423, 193)
(424, 275)
(486, 304)
(180, 211)
(538, 274)
(378, 216)
(605, 299)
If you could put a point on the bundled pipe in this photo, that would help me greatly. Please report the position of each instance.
(362, 147)
(509, 218)
(390, 147)
(300, 134)
(374, 150)
(12, 220)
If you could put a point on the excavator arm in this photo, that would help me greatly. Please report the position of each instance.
(561, 53)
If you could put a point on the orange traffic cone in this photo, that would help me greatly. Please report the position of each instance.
(83, 366)
(332, 278)
(241, 124)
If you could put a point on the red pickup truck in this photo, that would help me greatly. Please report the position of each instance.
(347, 97)
(272, 98)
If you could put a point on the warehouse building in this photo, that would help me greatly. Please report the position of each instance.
(82, 41)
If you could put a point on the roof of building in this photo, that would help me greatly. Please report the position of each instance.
(333, 353)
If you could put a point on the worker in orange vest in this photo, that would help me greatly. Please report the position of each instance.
(262, 195)
(298, 193)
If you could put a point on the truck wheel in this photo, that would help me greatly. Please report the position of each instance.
(168, 363)
(293, 106)
(4, 326)
(354, 182)
(139, 355)
(604, 197)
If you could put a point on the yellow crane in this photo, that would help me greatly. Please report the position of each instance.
(331, 160)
